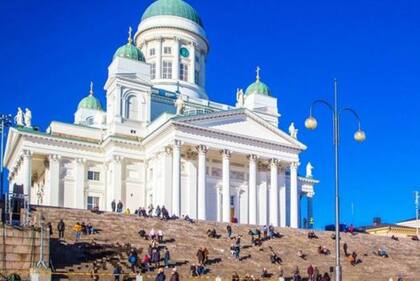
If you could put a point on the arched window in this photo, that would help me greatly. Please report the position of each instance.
(132, 108)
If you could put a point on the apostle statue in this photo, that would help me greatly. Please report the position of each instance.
(28, 118)
(19, 117)
(240, 98)
(293, 131)
(309, 169)
(180, 105)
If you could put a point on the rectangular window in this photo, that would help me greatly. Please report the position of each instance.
(152, 51)
(93, 176)
(167, 50)
(153, 71)
(92, 202)
(167, 70)
(183, 72)
(232, 201)
(197, 77)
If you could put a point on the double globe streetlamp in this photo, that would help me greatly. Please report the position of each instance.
(360, 136)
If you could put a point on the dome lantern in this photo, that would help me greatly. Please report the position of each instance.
(130, 51)
(258, 87)
(90, 102)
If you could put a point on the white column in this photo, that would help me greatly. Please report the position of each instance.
(202, 70)
(54, 174)
(192, 65)
(27, 173)
(238, 205)
(310, 215)
(159, 59)
(116, 179)
(192, 187)
(176, 178)
(202, 204)
(167, 179)
(226, 186)
(252, 181)
(282, 197)
(219, 203)
(175, 70)
(79, 184)
(274, 194)
(294, 199)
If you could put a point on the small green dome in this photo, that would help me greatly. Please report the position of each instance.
(258, 87)
(90, 102)
(176, 8)
(130, 51)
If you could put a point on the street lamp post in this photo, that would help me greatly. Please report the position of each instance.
(6, 120)
(360, 136)
(416, 201)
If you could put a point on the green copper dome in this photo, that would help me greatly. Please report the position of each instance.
(258, 87)
(90, 102)
(130, 51)
(176, 8)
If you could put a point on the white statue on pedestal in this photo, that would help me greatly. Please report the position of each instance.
(240, 98)
(19, 117)
(180, 105)
(309, 169)
(28, 118)
(293, 131)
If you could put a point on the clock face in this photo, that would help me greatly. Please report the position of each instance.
(184, 52)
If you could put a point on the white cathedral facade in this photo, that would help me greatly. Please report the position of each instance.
(160, 140)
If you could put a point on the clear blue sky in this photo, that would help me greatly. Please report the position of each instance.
(52, 49)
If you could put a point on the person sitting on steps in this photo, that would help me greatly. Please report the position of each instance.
(312, 235)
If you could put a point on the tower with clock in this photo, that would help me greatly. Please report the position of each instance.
(176, 48)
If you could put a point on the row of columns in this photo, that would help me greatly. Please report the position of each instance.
(176, 59)
(275, 207)
(52, 188)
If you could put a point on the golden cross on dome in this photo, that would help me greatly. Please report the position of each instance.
(258, 73)
(129, 34)
(91, 88)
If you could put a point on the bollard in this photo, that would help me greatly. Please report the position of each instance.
(139, 277)
(40, 274)
(218, 278)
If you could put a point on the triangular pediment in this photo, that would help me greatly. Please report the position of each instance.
(243, 123)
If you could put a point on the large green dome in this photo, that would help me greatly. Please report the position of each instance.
(176, 8)
(90, 102)
(258, 87)
(130, 51)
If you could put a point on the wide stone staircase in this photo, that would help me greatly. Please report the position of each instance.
(118, 233)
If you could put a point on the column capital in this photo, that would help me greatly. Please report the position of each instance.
(252, 157)
(26, 153)
(54, 157)
(177, 143)
(80, 160)
(226, 153)
(168, 149)
(294, 165)
(117, 158)
(202, 148)
(274, 162)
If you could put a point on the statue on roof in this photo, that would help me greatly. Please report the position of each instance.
(28, 118)
(180, 105)
(240, 98)
(309, 169)
(19, 117)
(293, 131)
